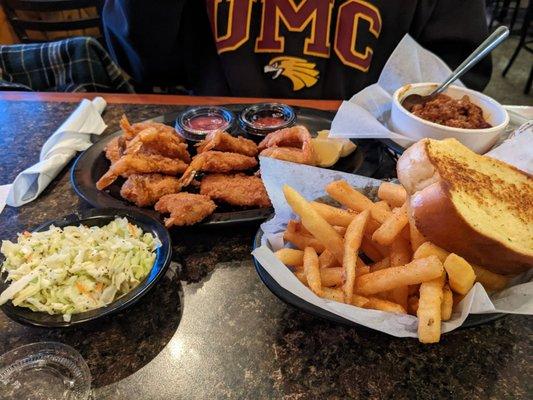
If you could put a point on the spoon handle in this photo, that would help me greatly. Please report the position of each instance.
(498, 36)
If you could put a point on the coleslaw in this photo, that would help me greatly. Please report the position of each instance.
(77, 268)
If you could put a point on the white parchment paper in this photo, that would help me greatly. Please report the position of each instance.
(366, 115)
(310, 182)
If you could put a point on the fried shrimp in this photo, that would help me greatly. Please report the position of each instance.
(153, 140)
(132, 130)
(114, 149)
(237, 190)
(223, 141)
(140, 164)
(146, 190)
(289, 144)
(185, 208)
(217, 161)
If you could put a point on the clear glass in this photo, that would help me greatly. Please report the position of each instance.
(44, 371)
(213, 118)
(261, 119)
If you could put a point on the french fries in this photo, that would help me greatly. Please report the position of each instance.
(408, 274)
(400, 254)
(447, 303)
(312, 271)
(383, 204)
(416, 238)
(429, 311)
(352, 242)
(290, 257)
(391, 227)
(429, 249)
(460, 274)
(490, 280)
(329, 277)
(355, 200)
(382, 264)
(315, 223)
(393, 194)
(327, 260)
(295, 236)
(384, 305)
(333, 215)
(417, 271)
(333, 294)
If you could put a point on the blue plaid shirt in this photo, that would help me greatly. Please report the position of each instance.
(77, 64)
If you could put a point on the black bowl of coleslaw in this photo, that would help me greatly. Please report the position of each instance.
(98, 218)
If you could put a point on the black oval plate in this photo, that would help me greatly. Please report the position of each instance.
(92, 164)
(99, 217)
(295, 301)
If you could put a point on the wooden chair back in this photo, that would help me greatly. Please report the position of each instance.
(46, 20)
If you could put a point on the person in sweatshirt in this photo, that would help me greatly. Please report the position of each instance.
(327, 49)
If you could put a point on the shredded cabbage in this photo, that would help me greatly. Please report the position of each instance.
(78, 268)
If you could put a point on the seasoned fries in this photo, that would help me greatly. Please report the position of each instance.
(392, 193)
(327, 260)
(407, 274)
(429, 249)
(391, 227)
(290, 257)
(334, 294)
(295, 236)
(315, 223)
(355, 200)
(417, 271)
(447, 303)
(382, 264)
(329, 277)
(384, 305)
(333, 215)
(429, 310)
(352, 242)
(490, 280)
(416, 238)
(311, 270)
(460, 274)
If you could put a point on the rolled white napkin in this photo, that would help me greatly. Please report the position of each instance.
(59, 149)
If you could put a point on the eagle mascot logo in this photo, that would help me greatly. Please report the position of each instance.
(301, 72)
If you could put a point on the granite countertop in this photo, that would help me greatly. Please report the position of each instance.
(211, 329)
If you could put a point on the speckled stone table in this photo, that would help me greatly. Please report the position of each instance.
(211, 330)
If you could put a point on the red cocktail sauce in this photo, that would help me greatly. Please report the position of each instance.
(268, 122)
(206, 122)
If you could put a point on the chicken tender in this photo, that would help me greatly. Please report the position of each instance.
(238, 190)
(185, 208)
(130, 164)
(223, 141)
(145, 190)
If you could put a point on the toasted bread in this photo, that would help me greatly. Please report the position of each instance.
(475, 206)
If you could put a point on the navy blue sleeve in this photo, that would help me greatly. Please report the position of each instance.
(142, 37)
(452, 31)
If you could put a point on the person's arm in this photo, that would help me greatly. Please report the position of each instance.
(452, 29)
(142, 36)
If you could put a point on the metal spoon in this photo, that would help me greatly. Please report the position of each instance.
(498, 36)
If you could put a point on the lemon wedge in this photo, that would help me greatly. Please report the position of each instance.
(327, 151)
(348, 147)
